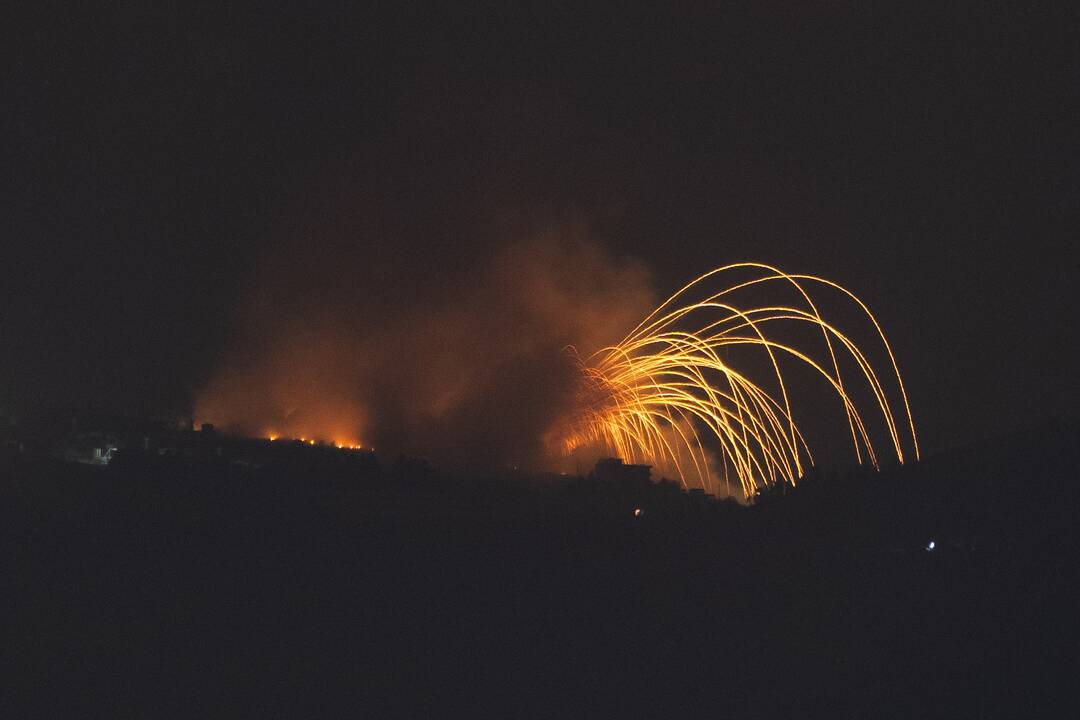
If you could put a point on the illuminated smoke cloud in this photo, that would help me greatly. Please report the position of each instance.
(459, 359)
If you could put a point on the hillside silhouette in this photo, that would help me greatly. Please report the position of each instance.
(167, 589)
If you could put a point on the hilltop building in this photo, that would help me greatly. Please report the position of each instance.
(616, 471)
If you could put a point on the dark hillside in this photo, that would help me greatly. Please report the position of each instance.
(158, 591)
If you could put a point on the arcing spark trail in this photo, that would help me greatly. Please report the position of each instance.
(661, 393)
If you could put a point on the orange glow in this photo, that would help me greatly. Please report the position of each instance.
(317, 351)
(339, 444)
(671, 383)
(278, 406)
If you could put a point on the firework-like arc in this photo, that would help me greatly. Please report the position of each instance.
(662, 390)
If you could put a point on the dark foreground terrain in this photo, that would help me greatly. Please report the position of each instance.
(203, 590)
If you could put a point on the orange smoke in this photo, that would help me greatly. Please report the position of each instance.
(461, 363)
(291, 391)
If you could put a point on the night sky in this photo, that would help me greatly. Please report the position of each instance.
(167, 168)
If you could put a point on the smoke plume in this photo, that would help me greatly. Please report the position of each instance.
(456, 355)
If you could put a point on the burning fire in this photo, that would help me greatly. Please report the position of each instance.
(339, 444)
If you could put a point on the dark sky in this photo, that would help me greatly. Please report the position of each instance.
(156, 155)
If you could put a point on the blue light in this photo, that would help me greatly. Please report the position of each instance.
(931, 546)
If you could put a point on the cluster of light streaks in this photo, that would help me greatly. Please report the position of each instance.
(669, 395)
